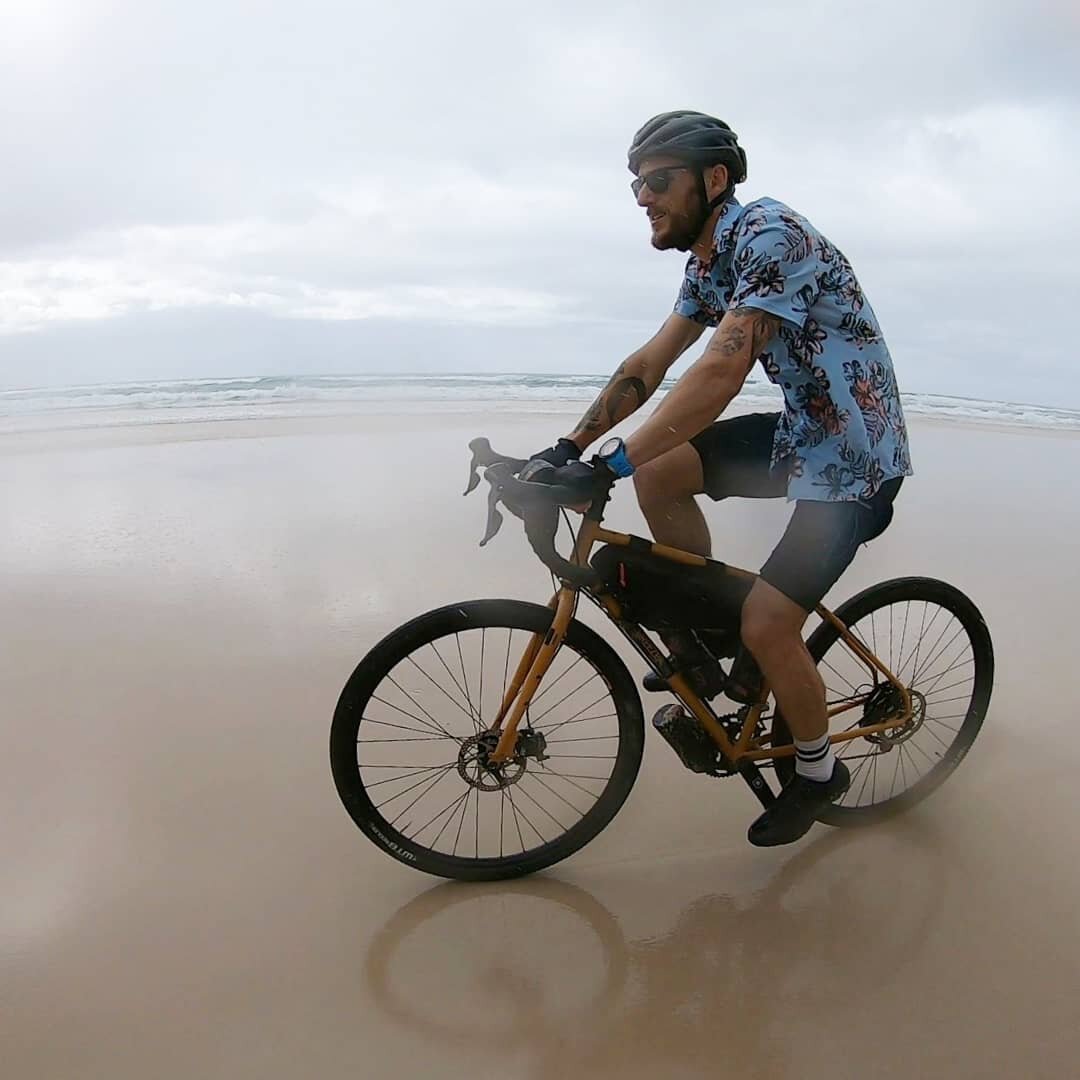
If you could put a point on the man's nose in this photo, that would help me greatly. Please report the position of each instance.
(646, 196)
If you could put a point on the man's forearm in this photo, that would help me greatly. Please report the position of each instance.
(630, 387)
(707, 389)
(697, 399)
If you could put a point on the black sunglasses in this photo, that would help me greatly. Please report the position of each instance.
(658, 181)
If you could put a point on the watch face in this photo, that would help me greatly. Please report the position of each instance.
(609, 447)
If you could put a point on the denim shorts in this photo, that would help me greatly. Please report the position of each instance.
(821, 538)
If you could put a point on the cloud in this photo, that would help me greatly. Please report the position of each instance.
(465, 165)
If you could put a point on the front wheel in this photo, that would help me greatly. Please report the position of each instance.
(410, 740)
(934, 640)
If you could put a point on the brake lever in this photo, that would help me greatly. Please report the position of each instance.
(494, 517)
(483, 456)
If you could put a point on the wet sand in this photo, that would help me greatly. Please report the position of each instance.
(184, 896)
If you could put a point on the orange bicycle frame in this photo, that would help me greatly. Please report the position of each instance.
(746, 747)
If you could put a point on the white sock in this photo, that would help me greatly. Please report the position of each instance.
(814, 759)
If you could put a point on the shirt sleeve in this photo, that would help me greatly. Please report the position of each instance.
(687, 305)
(776, 268)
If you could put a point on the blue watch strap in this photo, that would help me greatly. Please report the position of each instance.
(618, 462)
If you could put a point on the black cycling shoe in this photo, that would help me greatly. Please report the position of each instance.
(797, 807)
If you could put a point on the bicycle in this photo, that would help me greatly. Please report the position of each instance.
(500, 740)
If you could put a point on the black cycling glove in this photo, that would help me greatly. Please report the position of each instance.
(563, 452)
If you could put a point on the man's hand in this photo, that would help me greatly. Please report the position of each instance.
(579, 482)
(564, 451)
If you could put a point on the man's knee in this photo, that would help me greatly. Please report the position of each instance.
(770, 621)
(672, 476)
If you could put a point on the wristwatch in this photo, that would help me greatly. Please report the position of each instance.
(613, 454)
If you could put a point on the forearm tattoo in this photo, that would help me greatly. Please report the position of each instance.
(622, 395)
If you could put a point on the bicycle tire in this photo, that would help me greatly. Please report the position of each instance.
(884, 595)
(454, 619)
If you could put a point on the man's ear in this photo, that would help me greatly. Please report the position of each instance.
(716, 179)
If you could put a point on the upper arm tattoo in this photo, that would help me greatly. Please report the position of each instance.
(743, 332)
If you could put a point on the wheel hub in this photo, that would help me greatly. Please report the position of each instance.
(886, 701)
(475, 765)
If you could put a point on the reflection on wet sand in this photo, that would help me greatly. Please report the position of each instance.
(185, 897)
(549, 968)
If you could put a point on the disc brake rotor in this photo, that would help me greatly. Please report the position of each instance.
(477, 769)
(886, 701)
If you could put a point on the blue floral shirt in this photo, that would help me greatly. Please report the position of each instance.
(842, 431)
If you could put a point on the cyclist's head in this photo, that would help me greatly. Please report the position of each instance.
(687, 164)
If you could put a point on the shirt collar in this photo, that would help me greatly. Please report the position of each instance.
(723, 237)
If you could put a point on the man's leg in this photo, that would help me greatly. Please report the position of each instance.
(772, 631)
(818, 545)
(665, 490)
(730, 457)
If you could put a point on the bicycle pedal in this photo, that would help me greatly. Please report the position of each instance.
(687, 738)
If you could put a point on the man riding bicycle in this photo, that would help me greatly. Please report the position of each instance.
(779, 293)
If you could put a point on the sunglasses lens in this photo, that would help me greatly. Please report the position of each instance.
(657, 182)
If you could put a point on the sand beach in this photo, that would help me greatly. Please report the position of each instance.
(184, 896)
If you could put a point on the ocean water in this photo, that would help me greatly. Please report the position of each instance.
(180, 401)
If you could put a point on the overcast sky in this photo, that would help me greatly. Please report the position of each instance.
(224, 188)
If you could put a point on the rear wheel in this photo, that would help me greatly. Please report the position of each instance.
(934, 640)
(410, 743)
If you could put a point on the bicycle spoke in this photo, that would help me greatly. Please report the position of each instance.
(506, 663)
(540, 806)
(413, 787)
(838, 675)
(923, 631)
(570, 719)
(465, 681)
(480, 695)
(526, 818)
(442, 690)
(896, 769)
(933, 650)
(952, 686)
(903, 635)
(431, 787)
(575, 720)
(544, 784)
(569, 778)
(400, 727)
(552, 708)
(915, 744)
(426, 738)
(591, 757)
(558, 678)
(452, 808)
(406, 776)
(583, 738)
(433, 726)
(464, 811)
(517, 823)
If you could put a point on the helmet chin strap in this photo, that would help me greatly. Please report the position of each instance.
(708, 205)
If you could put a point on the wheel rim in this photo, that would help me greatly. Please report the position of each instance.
(423, 747)
(928, 647)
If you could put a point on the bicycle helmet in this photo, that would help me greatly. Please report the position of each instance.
(695, 138)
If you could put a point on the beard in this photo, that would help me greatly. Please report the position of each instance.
(683, 228)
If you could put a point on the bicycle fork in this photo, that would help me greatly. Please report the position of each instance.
(531, 668)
